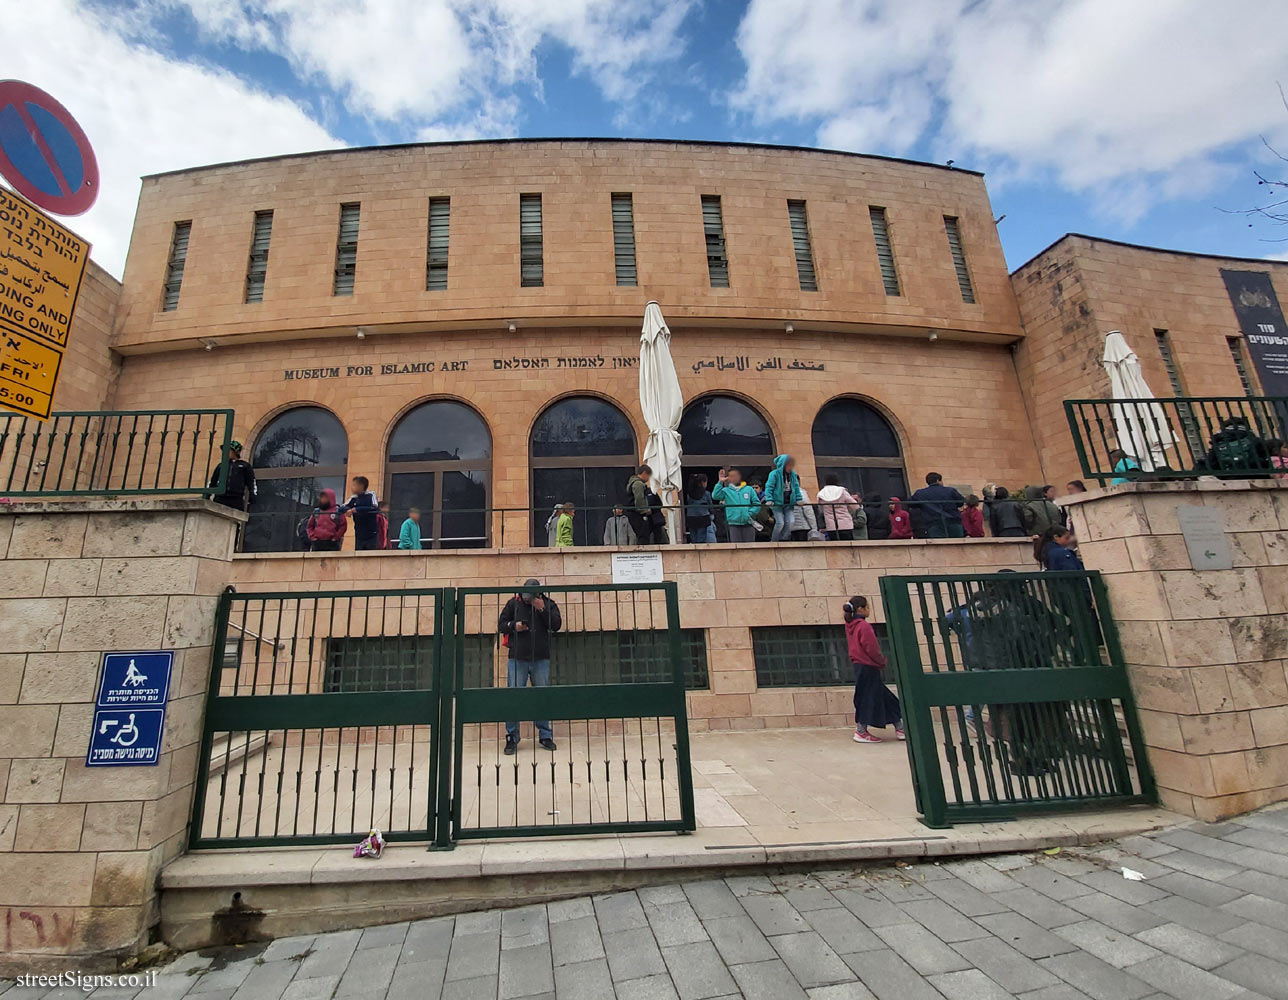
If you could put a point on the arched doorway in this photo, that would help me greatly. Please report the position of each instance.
(582, 452)
(440, 460)
(855, 442)
(723, 432)
(301, 452)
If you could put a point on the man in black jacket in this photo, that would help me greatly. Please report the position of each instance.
(241, 480)
(940, 508)
(527, 621)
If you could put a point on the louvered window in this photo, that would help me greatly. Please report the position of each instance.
(257, 269)
(1185, 411)
(885, 255)
(531, 269)
(624, 240)
(346, 250)
(1236, 353)
(713, 226)
(174, 266)
(954, 232)
(440, 213)
(800, 242)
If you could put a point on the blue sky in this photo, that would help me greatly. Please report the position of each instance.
(1136, 120)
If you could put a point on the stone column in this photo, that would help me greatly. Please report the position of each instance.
(1206, 650)
(81, 848)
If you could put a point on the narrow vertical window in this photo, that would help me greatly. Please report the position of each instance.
(531, 263)
(624, 240)
(440, 215)
(1240, 365)
(713, 226)
(885, 254)
(257, 270)
(174, 266)
(800, 243)
(953, 229)
(346, 250)
(1169, 362)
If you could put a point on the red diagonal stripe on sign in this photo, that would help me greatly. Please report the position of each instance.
(38, 138)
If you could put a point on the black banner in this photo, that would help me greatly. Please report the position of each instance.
(1262, 323)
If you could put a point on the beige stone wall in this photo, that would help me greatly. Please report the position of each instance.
(575, 179)
(724, 589)
(1206, 651)
(80, 848)
(87, 377)
(1079, 289)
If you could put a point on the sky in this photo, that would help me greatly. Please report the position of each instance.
(1137, 120)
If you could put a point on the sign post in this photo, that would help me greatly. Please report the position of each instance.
(129, 715)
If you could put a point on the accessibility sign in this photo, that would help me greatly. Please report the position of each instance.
(44, 153)
(41, 266)
(129, 717)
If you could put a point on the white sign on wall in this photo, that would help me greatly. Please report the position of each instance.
(637, 567)
(1204, 531)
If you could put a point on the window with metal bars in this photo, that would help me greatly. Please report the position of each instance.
(885, 253)
(800, 243)
(628, 656)
(257, 269)
(440, 213)
(1240, 365)
(174, 266)
(713, 227)
(806, 655)
(346, 250)
(1169, 362)
(531, 266)
(400, 662)
(624, 240)
(953, 228)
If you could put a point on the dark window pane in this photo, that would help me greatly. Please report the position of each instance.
(281, 505)
(582, 426)
(723, 425)
(807, 655)
(440, 431)
(853, 429)
(407, 490)
(631, 656)
(593, 489)
(464, 515)
(302, 437)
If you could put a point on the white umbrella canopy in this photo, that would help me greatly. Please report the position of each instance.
(1141, 428)
(663, 405)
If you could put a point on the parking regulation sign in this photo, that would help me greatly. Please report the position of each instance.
(129, 717)
(44, 152)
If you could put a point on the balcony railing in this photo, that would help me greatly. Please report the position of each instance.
(114, 452)
(1182, 437)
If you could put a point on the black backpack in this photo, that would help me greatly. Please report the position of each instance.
(302, 531)
(1236, 451)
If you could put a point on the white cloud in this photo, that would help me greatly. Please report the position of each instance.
(1129, 101)
(144, 112)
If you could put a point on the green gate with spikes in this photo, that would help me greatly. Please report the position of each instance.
(1015, 696)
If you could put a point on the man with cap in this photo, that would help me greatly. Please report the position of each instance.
(527, 621)
(241, 480)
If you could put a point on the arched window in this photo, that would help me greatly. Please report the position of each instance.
(854, 442)
(439, 461)
(300, 453)
(723, 431)
(583, 451)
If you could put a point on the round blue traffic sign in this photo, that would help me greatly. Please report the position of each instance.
(44, 153)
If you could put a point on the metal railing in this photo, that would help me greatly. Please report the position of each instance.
(1177, 437)
(1012, 686)
(114, 452)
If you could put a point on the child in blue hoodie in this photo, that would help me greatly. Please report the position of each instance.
(366, 514)
(783, 491)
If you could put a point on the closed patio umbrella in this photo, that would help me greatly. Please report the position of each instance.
(1141, 428)
(663, 405)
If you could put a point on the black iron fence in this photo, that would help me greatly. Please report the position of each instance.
(117, 452)
(1126, 440)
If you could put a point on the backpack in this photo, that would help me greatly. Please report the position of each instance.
(302, 531)
(1236, 452)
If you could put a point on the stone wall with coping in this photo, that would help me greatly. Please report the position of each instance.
(1206, 650)
(81, 848)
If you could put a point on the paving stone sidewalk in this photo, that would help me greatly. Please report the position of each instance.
(1209, 921)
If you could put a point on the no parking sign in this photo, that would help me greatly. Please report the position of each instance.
(44, 153)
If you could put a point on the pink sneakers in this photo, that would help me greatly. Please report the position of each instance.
(863, 736)
(899, 733)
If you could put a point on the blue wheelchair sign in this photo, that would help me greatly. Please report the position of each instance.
(129, 717)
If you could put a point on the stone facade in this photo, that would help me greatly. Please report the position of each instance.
(87, 379)
(80, 848)
(1206, 650)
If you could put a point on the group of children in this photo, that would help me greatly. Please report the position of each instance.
(325, 528)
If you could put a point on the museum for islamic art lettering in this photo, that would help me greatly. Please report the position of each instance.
(741, 363)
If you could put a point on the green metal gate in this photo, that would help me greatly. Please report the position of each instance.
(1015, 697)
(330, 713)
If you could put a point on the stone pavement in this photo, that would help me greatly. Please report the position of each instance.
(1208, 921)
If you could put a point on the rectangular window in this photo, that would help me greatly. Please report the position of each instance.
(174, 266)
(806, 655)
(624, 240)
(1169, 362)
(800, 242)
(713, 226)
(346, 250)
(885, 254)
(1240, 365)
(440, 213)
(400, 663)
(640, 656)
(257, 269)
(531, 267)
(953, 229)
